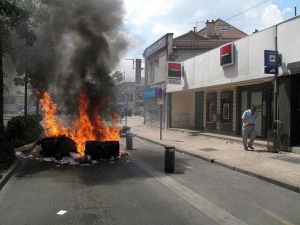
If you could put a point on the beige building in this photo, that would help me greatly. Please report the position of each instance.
(179, 49)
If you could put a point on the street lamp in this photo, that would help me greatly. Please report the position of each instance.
(125, 98)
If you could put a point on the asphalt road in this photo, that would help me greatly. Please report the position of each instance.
(135, 190)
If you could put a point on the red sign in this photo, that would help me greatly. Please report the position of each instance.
(160, 93)
(226, 55)
(174, 70)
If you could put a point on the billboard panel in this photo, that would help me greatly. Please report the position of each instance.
(138, 69)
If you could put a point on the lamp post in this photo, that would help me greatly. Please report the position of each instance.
(125, 105)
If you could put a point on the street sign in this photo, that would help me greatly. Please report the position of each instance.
(271, 58)
(271, 70)
(173, 81)
(160, 93)
(160, 102)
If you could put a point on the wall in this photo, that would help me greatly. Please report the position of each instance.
(205, 70)
(187, 54)
(183, 103)
(287, 34)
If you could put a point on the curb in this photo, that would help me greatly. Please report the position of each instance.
(9, 172)
(6, 175)
(228, 166)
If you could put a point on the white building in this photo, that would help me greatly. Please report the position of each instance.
(212, 97)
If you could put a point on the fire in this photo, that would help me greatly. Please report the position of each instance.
(88, 126)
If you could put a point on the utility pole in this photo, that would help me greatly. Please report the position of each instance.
(26, 69)
(125, 92)
(1, 77)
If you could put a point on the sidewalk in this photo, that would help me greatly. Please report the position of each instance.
(282, 169)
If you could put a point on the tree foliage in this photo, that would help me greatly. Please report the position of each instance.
(18, 21)
(118, 77)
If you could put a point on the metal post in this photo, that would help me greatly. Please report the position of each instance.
(275, 83)
(125, 98)
(26, 65)
(161, 122)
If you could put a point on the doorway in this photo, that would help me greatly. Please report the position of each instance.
(249, 98)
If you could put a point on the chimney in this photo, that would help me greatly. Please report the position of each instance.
(195, 29)
(210, 28)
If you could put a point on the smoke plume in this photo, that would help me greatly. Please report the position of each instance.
(85, 44)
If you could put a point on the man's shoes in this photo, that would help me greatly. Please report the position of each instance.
(250, 147)
(246, 149)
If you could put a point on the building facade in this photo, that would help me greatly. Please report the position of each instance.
(129, 96)
(212, 96)
(184, 47)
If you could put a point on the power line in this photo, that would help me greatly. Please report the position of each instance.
(236, 14)
(247, 10)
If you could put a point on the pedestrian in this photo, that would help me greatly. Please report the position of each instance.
(248, 118)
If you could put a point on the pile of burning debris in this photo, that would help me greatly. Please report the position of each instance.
(64, 148)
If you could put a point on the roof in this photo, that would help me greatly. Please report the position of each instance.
(200, 40)
(231, 33)
(205, 44)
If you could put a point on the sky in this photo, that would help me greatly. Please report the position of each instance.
(146, 21)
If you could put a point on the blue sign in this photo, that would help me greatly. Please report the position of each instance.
(271, 58)
(271, 70)
(150, 93)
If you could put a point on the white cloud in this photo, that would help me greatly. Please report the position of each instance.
(272, 15)
(286, 10)
(146, 12)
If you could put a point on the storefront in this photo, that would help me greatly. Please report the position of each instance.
(153, 110)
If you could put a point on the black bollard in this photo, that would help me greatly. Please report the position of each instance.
(169, 159)
(129, 141)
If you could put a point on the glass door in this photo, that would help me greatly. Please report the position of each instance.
(256, 99)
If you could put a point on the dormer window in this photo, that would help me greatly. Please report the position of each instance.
(223, 27)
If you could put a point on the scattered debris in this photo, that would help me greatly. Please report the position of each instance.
(77, 157)
(61, 212)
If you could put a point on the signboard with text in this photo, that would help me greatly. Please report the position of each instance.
(174, 73)
(227, 55)
(138, 69)
(150, 93)
(156, 46)
(271, 58)
(271, 62)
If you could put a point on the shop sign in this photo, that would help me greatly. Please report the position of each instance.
(150, 93)
(227, 55)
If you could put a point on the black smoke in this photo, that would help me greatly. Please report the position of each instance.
(82, 42)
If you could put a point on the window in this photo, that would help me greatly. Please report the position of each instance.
(223, 27)
(226, 111)
(212, 112)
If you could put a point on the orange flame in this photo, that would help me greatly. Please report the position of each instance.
(88, 126)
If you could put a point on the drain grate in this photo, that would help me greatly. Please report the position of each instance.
(287, 159)
(208, 149)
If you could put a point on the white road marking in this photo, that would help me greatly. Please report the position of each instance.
(211, 210)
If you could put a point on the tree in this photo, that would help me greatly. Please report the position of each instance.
(18, 19)
(118, 77)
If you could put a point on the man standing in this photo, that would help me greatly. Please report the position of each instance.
(248, 118)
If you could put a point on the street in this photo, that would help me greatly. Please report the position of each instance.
(135, 190)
